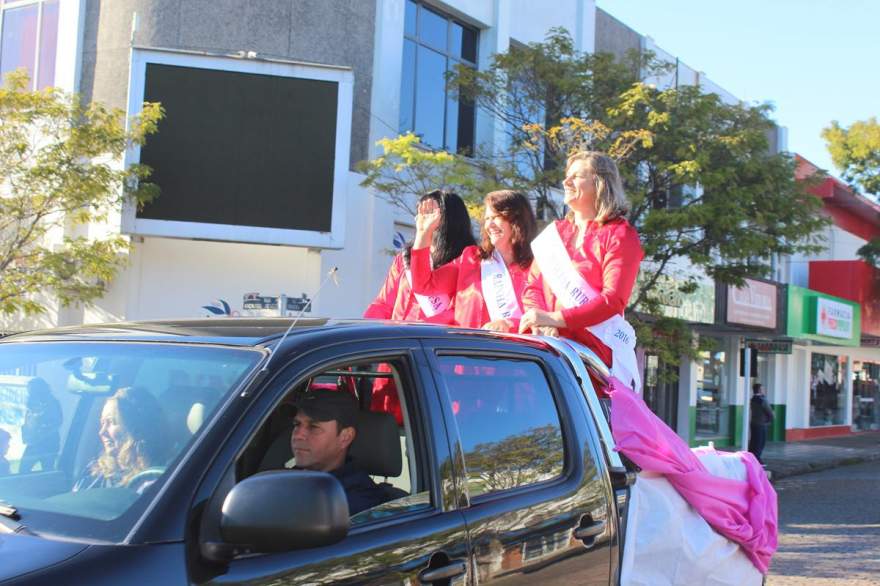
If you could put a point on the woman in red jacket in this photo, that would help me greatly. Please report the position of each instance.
(486, 281)
(586, 266)
(396, 299)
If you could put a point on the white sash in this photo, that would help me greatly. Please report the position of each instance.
(498, 292)
(431, 304)
(573, 291)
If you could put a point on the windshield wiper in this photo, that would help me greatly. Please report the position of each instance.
(9, 520)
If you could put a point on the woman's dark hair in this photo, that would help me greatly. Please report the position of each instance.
(514, 207)
(453, 234)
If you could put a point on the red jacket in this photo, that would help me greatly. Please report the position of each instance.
(396, 300)
(609, 261)
(462, 278)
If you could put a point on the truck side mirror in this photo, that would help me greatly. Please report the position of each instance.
(284, 510)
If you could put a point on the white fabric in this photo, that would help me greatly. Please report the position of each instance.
(431, 304)
(668, 542)
(498, 292)
(573, 291)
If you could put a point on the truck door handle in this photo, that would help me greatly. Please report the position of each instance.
(451, 570)
(590, 531)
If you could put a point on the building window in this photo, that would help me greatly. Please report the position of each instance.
(433, 45)
(712, 396)
(28, 39)
(866, 396)
(826, 389)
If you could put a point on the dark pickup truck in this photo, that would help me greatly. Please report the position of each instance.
(492, 450)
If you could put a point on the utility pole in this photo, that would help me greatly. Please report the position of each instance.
(747, 375)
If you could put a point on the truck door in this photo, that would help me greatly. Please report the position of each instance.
(417, 535)
(538, 500)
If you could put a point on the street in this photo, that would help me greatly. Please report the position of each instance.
(829, 528)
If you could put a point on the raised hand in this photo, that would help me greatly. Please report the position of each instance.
(428, 218)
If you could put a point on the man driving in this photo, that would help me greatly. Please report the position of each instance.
(324, 427)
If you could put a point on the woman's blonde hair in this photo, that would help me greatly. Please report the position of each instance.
(142, 420)
(611, 200)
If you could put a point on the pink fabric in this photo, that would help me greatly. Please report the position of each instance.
(744, 512)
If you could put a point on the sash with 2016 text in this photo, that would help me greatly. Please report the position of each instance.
(572, 290)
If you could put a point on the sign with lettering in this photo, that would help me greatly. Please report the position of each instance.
(256, 305)
(770, 346)
(833, 318)
(753, 304)
(696, 306)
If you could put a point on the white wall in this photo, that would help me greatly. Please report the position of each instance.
(365, 260)
(68, 52)
(838, 245)
(170, 278)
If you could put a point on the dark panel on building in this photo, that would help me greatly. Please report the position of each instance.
(241, 148)
(338, 33)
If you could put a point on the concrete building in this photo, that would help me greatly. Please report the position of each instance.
(270, 104)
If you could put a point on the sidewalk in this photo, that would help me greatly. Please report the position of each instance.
(792, 458)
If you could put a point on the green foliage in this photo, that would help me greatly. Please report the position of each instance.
(706, 195)
(855, 151)
(407, 169)
(870, 252)
(60, 172)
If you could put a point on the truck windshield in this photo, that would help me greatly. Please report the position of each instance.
(89, 431)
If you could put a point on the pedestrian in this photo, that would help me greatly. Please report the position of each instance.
(761, 415)
(41, 430)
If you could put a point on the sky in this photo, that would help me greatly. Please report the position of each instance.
(814, 60)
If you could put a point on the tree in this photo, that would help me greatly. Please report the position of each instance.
(59, 172)
(517, 459)
(705, 191)
(855, 151)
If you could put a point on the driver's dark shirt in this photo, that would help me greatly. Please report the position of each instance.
(361, 491)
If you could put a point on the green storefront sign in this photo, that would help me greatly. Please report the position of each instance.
(823, 318)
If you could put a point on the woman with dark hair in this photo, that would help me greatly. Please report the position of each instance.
(133, 442)
(486, 281)
(586, 266)
(396, 299)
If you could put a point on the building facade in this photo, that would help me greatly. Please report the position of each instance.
(269, 107)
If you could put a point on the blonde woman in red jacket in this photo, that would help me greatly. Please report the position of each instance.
(586, 266)
(486, 281)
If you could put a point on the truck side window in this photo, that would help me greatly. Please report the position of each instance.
(507, 421)
(385, 447)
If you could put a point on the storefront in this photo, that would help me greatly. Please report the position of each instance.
(822, 402)
(748, 315)
(668, 387)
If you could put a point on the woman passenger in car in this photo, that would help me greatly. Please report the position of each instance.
(132, 435)
(586, 266)
(486, 281)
